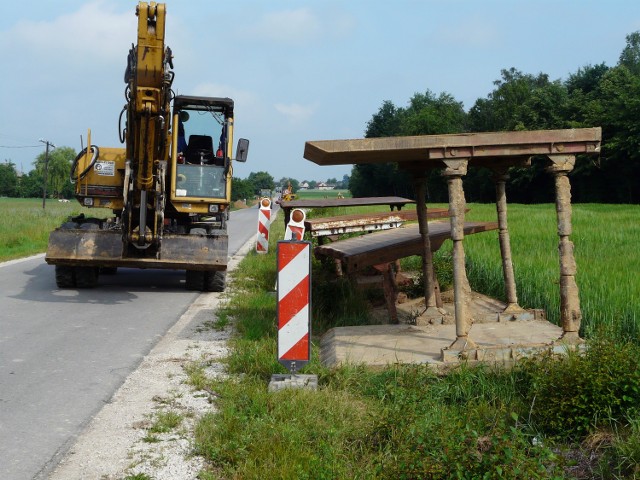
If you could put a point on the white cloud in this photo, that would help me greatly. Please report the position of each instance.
(301, 26)
(94, 31)
(295, 112)
(289, 26)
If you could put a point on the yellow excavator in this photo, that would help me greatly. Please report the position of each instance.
(169, 188)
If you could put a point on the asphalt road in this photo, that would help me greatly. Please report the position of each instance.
(63, 353)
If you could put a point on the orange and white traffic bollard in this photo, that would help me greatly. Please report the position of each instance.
(295, 227)
(264, 223)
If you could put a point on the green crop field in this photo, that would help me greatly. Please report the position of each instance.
(605, 239)
(314, 194)
(25, 225)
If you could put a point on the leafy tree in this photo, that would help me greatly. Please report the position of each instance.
(58, 170)
(518, 102)
(431, 115)
(261, 181)
(618, 112)
(242, 189)
(585, 110)
(426, 114)
(586, 80)
(385, 123)
(8, 179)
(344, 183)
(608, 97)
(630, 56)
(369, 180)
(284, 182)
(596, 95)
(30, 185)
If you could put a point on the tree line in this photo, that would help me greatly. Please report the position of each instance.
(15, 184)
(595, 95)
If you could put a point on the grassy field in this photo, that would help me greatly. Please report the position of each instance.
(546, 418)
(572, 418)
(605, 238)
(25, 225)
(313, 194)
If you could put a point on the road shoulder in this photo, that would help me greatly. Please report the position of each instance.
(116, 442)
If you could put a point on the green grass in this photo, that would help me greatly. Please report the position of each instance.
(165, 422)
(25, 225)
(406, 421)
(138, 476)
(315, 194)
(605, 239)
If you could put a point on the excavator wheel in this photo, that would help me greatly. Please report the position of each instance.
(86, 277)
(65, 276)
(195, 280)
(215, 281)
(206, 281)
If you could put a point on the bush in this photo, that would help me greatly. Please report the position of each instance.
(467, 447)
(576, 393)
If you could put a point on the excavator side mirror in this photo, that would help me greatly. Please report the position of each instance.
(242, 150)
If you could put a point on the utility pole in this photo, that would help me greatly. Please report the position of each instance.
(46, 170)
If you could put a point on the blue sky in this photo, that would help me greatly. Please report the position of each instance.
(298, 70)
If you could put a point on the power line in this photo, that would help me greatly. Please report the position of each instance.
(20, 146)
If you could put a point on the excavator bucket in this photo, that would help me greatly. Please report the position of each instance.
(104, 248)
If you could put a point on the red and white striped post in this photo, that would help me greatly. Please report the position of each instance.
(294, 304)
(295, 227)
(264, 222)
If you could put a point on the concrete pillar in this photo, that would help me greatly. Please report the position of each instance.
(427, 256)
(500, 177)
(570, 314)
(454, 171)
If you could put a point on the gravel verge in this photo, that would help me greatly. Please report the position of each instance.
(117, 442)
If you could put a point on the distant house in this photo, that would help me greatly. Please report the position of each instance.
(324, 186)
(303, 186)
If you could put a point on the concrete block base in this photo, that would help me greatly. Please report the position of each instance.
(281, 381)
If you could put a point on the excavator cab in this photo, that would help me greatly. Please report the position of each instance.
(201, 151)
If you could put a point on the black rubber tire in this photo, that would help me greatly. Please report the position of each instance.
(215, 281)
(195, 280)
(90, 224)
(65, 276)
(86, 277)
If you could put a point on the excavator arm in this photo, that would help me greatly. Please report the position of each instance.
(149, 78)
